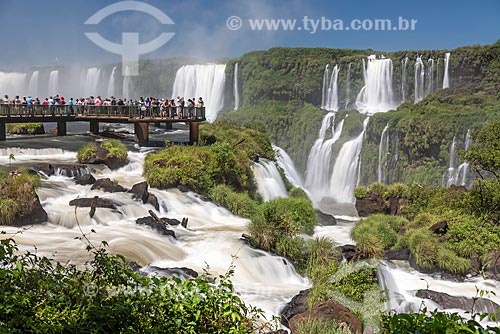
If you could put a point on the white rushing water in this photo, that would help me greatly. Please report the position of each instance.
(446, 77)
(457, 176)
(449, 177)
(348, 88)
(345, 170)
(206, 81)
(33, 84)
(111, 83)
(90, 81)
(430, 77)
(330, 89)
(12, 83)
(236, 88)
(376, 95)
(383, 150)
(270, 185)
(403, 79)
(419, 80)
(211, 239)
(286, 163)
(53, 89)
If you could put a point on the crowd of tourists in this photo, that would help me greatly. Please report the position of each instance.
(150, 106)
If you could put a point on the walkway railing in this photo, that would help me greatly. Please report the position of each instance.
(10, 110)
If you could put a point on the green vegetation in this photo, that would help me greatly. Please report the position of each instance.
(318, 325)
(17, 194)
(25, 128)
(111, 152)
(116, 149)
(41, 296)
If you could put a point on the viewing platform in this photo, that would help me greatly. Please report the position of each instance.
(61, 114)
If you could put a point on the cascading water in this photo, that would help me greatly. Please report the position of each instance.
(383, 150)
(269, 182)
(449, 176)
(457, 176)
(126, 83)
(345, 170)
(111, 83)
(376, 95)
(90, 82)
(318, 171)
(206, 81)
(236, 89)
(430, 77)
(463, 168)
(348, 87)
(331, 99)
(324, 87)
(286, 163)
(12, 83)
(33, 84)
(446, 77)
(53, 83)
(403, 79)
(419, 79)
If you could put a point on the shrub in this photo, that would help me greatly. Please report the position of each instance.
(238, 203)
(321, 265)
(17, 192)
(449, 261)
(86, 152)
(290, 215)
(25, 128)
(355, 284)
(319, 325)
(298, 193)
(116, 148)
(376, 233)
(295, 249)
(360, 192)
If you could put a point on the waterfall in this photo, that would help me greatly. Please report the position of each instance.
(53, 83)
(269, 182)
(90, 82)
(457, 176)
(430, 77)
(33, 84)
(348, 88)
(331, 99)
(206, 81)
(419, 79)
(463, 168)
(345, 170)
(324, 89)
(446, 78)
(111, 84)
(126, 83)
(286, 163)
(376, 95)
(449, 177)
(236, 89)
(12, 83)
(403, 79)
(319, 160)
(383, 150)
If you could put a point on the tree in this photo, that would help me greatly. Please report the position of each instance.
(484, 153)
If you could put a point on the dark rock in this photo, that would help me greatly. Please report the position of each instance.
(85, 179)
(46, 169)
(372, 203)
(349, 252)
(398, 254)
(298, 304)
(70, 170)
(87, 203)
(325, 219)
(476, 265)
(153, 200)
(440, 228)
(140, 191)
(184, 222)
(180, 272)
(170, 221)
(36, 215)
(183, 188)
(494, 266)
(102, 157)
(328, 311)
(447, 301)
(108, 186)
(158, 227)
(395, 204)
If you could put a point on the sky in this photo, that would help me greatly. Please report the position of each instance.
(37, 33)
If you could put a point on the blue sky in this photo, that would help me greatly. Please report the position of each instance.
(38, 32)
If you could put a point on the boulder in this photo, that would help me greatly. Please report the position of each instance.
(102, 157)
(87, 203)
(395, 204)
(158, 227)
(140, 191)
(35, 215)
(325, 219)
(372, 203)
(70, 170)
(328, 311)
(108, 186)
(398, 254)
(153, 200)
(447, 301)
(349, 252)
(170, 221)
(85, 179)
(494, 266)
(298, 304)
(440, 228)
(180, 272)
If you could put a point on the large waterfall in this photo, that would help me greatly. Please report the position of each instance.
(330, 96)
(419, 79)
(430, 77)
(403, 79)
(348, 88)
(206, 81)
(53, 83)
(319, 168)
(90, 81)
(111, 83)
(286, 163)
(345, 170)
(33, 84)
(446, 78)
(269, 182)
(376, 95)
(383, 150)
(236, 88)
(12, 83)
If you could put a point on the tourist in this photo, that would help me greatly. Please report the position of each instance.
(190, 107)
(70, 104)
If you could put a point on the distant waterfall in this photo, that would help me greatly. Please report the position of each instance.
(446, 78)
(430, 77)
(12, 83)
(449, 176)
(111, 84)
(269, 182)
(383, 150)
(419, 79)
(457, 176)
(236, 89)
(318, 171)
(330, 96)
(206, 81)
(345, 170)
(90, 81)
(324, 88)
(33, 84)
(348, 88)
(286, 163)
(53, 83)
(126, 83)
(403, 79)
(376, 95)
(463, 168)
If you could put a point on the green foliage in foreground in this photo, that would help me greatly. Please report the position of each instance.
(116, 149)
(25, 128)
(17, 194)
(318, 325)
(39, 296)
